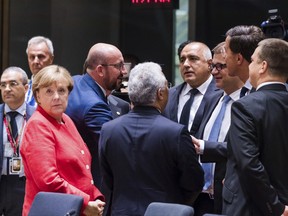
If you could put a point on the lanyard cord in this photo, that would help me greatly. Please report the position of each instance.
(14, 143)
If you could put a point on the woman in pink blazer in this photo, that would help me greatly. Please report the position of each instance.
(55, 157)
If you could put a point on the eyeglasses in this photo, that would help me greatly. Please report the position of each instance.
(218, 66)
(119, 66)
(12, 84)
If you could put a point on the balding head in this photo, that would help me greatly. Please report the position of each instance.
(101, 53)
(105, 64)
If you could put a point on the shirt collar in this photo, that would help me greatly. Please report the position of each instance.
(202, 88)
(234, 95)
(21, 110)
(268, 83)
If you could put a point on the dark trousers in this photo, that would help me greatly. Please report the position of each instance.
(12, 191)
(203, 204)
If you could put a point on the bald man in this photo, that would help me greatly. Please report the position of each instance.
(88, 106)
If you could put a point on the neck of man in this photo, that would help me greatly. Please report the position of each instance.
(15, 106)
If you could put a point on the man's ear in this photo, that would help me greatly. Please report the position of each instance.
(264, 67)
(240, 58)
(160, 94)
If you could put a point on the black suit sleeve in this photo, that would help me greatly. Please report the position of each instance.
(214, 152)
(192, 175)
(244, 146)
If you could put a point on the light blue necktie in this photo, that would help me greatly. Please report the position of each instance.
(215, 130)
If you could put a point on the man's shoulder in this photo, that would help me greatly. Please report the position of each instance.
(117, 100)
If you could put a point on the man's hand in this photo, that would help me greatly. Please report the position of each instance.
(94, 208)
(196, 144)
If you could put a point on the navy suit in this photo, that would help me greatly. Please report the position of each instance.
(146, 158)
(211, 95)
(118, 106)
(256, 175)
(89, 110)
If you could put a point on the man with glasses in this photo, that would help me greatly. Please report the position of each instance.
(14, 113)
(87, 105)
(212, 145)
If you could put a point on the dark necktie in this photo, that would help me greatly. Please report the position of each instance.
(185, 114)
(13, 124)
(214, 134)
(243, 91)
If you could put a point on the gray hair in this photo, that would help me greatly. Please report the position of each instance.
(144, 81)
(18, 70)
(41, 39)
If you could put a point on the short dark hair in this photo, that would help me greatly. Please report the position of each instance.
(244, 39)
(181, 47)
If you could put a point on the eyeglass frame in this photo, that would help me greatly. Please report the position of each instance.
(119, 66)
(218, 66)
(12, 84)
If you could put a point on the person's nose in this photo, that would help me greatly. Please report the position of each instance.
(36, 60)
(186, 63)
(123, 71)
(214, 71)
(56, 95)
(7, 88)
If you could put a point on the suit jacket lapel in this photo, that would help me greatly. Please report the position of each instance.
(175, 92)
(203, 108)
(92, 83)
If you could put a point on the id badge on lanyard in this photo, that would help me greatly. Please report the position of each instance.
(15, 161)
(15, 165)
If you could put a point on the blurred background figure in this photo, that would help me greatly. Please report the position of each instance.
(55, 156)
(40, 53)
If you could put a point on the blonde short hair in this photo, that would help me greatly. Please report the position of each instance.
(49, 75)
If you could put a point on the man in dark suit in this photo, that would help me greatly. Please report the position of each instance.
(144, 156)
(87, 104)
(118, 106)
(195, 61)
(256, 176)
(213, 148)
(13, 85)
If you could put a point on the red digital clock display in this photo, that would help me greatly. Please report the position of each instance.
(172, 4)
